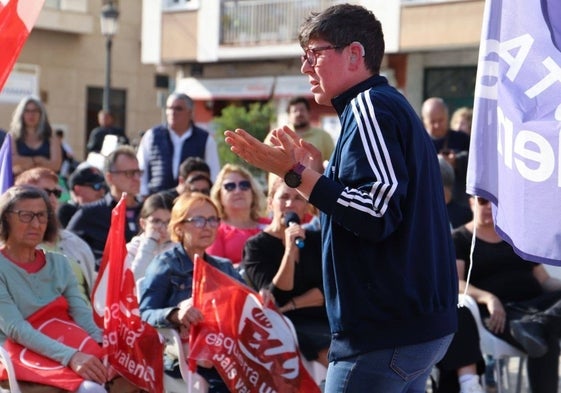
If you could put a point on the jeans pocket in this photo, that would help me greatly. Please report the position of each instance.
(412, 360)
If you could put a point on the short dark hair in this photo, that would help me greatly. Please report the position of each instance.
(17, 193)
(344, 24)
(298, 100)
(159, 200)
(446, 172)
(191, 164)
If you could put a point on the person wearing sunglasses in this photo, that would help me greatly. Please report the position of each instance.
(86, 184)
(77, 251)
(390, 280)
(153, 238)
(92, 221)
(165, 293)
(241, 205)
(519, 301)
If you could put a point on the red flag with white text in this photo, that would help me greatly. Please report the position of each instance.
(252, 347)
(17, 18)
(54, 321)
(134, 347)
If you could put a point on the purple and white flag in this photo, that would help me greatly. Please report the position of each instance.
(515, 148)
(6, 174)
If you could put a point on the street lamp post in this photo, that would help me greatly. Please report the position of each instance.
(109, 26)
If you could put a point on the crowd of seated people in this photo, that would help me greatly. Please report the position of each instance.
(231, 227)
(37, 285)
(519, 301)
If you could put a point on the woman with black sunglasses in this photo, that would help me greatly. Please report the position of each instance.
(241, 203)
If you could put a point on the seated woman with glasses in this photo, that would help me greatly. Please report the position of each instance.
(519, 301)
(241, 203)
(77, 251)
(39, 294)
(154, 236)
(165, 293)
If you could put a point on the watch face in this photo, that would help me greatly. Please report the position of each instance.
(292, 179)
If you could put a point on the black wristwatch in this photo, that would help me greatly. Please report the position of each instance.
(293, 178)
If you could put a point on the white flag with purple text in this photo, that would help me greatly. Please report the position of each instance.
(516, 133)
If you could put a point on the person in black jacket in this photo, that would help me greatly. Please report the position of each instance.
(274, 260)
(92, 221)
(106, 127)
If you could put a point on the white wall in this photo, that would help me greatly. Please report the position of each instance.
(388, 12)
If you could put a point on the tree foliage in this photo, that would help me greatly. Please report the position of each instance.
(256, 119)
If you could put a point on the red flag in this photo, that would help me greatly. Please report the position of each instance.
(16, 21)
(251, 346)
(134, 347)
(54, 321)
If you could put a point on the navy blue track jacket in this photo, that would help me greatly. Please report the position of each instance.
(388, 258)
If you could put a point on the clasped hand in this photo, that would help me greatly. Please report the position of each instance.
(88, 367)
(187, 314)
(288, 149)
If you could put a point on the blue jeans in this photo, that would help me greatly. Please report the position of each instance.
(396, 370)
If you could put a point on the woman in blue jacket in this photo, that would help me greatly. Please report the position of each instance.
(168, 284)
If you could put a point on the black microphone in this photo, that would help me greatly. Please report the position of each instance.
(292, 218)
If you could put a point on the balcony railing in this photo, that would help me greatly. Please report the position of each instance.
(265, 22)
(67, 5)
(417, 2)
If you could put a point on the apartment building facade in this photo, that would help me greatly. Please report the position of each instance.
(63, 63)
(222, 52)
(237, 51)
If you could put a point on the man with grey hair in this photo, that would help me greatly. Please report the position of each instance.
(164, 147)
(92, 220)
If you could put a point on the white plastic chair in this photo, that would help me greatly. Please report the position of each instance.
(494, 346)
(191, 382)
(7, 363)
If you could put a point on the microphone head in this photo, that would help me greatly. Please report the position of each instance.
(291, 217)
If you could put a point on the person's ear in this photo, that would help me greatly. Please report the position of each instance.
(142, 222)
(357, 51)
(109, 178)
